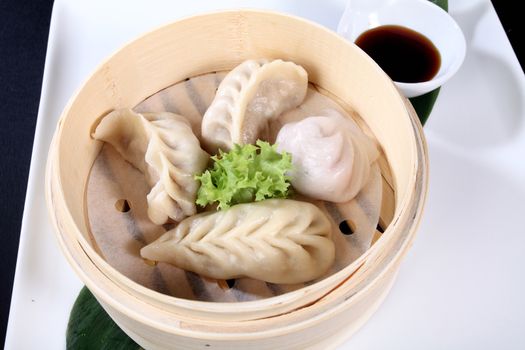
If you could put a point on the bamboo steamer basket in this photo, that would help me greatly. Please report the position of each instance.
(320, 315)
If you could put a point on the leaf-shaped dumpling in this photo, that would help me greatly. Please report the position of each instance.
(252, 94)
(164, 148)
(275, 240)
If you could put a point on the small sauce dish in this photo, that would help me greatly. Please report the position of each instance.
(421, 16)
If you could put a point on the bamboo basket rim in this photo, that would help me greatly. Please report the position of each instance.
(326, 285)
(382, 270)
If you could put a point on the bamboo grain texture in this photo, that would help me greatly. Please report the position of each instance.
(317, 316)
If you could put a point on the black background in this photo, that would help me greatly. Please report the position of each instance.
(24, 27)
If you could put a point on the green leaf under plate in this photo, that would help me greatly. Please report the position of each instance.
(441, 3)
(91, 328)
(423, 104)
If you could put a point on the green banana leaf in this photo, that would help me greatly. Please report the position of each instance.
(91, 328)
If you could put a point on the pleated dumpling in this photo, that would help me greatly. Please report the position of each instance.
(275, 240)
(163, 147)
(331, 156)
(251, 95)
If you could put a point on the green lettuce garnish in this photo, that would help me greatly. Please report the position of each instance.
(245, 174)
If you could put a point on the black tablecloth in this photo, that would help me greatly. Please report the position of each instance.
(24, 27)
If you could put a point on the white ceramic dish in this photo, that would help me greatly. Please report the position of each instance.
(471, 238)
(419, 15)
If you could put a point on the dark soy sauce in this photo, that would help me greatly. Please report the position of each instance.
(404, 54)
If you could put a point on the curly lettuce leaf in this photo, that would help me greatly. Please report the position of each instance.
(245, 174)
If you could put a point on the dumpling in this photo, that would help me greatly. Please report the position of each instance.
(250, 96)
(164, 148)
(331, 156)
(275, 240)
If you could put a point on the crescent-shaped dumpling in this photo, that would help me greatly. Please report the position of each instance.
(163, 147)
(251, 95)
(275, 240)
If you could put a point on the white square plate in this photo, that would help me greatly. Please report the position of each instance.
(462, 284)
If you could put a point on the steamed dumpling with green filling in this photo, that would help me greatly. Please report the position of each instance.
(331, 156)
(250, 96)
